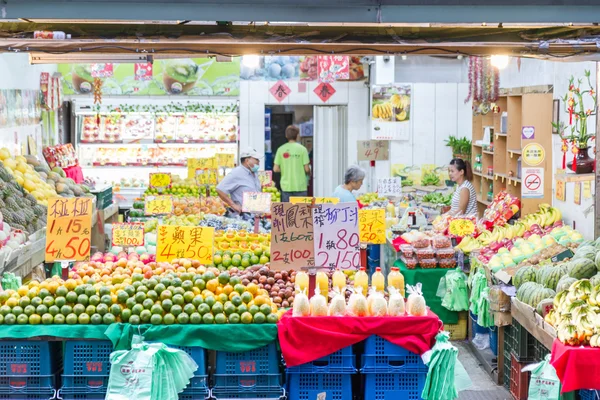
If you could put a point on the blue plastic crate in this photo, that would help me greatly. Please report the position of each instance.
(404, 386)
(494, 340)
(86, 367)
(81, 396)
(308, 386)
(264, 386)
(29, 396)
(264, 360)
(29, 357)
(589, 394)
(342, 361)
(477, 328)
(194, 395)
(386, 357)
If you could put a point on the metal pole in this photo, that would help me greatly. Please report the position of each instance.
(597, 180)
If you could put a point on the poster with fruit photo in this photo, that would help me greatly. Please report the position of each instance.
(390, 112)
(192, 77)
(305, 68)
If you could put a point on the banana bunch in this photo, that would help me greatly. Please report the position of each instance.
(468, 244)
(396, 101)
(576, 314)
(546, 216)
(383, 111)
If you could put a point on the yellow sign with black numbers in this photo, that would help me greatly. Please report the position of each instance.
(157, 205)
(160, 180)
(206, 177)
(193, 242)
(371, 226)
(200, 163)
(226, 160)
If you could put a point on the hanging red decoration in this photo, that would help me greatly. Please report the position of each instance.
(97, 96)
(564, 148)
(484, 84)
(574, 150)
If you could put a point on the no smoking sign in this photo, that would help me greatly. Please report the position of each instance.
(533, 183)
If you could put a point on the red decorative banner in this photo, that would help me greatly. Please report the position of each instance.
(280, 91)
(324, 91)
(143, 71)
(333, 68)
(102, 70)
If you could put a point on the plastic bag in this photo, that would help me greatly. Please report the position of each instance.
(337, 305)
(377, 304)
(544, 384)
(415, 305)
(11, 281)
(301, 306)
(439, 384)
(455, 296)
(484, 316)
(131, 374)
(396, 306)
(357, 304)
(318, 304)
(479, 282)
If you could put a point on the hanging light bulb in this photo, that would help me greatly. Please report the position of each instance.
(499, 61)
(251, 61)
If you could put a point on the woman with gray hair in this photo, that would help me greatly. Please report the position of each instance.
(353, 180)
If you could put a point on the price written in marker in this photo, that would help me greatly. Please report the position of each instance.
(391, 187)
(373, 150)
(160, 180)
(291, 236)
(256, 202)
(128, 234)
(337, 242)
(193, 242)
(206, 177)
(371, 226)
(68, 229)
(158, 205)
(265, 178)
(200, 163)
(318, 200)
(225, 160)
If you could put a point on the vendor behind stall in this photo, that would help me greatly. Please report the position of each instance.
(464, 200)
(243, 178)
(353, 180)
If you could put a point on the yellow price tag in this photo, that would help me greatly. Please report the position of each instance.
(318, 200)
(225, 160)
(193, 242)
(128, 234)
(160, 180)
(200, 163)
(206, 177)
(259, 203)
(371, 226)
(155, 205)
(68, 229)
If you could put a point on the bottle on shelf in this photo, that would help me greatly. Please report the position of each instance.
(490, 194)
(323, 283)
(338, 280)
(302, 280)
(361, 279)
(519, 168)
(396, 279)
(378, 280)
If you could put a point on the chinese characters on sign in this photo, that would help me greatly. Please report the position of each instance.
(390, 187)
(372, 226)
(337, 242)
(318, 200)
(225, 160)
(160, 180)
(265, 178)
(280, 91)
(128, 234)
(193, 242)
(200, 163)
(332, 68)
(157, 205)
(206, 177)
(258, 203)
(291, 236)
(69, 229)
(373, 150)
(533, 154)
(561, 193)
(533, 183)
(324, 91)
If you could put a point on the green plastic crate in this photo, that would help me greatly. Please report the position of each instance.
(521, 342)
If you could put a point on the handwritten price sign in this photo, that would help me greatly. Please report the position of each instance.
(128, 234)
(206, 177)
(318, 200)
(160, 180)
(373, 150)
(291, 236)
(200, 163)
(337, 242)
(225, 160)
(193, 242)
(259, 203)
(391, 187)
(371, 226)
(265, 178)
(156, 205)
(68, 229)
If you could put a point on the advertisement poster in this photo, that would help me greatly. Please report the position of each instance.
(390, 112)
(191, 77)
(333, 68)
(305, 68)
(533, 183)
(19, 107)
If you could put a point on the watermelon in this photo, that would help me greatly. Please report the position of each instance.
(588, 252)
(597, 261)
(595, 280)
(582, 268)
(527, 290)
(539, 277)
(524, 274)
(587, 243)
(539, 295)
(551, 277)
(565, 282)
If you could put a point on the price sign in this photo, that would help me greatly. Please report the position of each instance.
(391, 187)
(265, 178)
(193, 242)
(200, 163)
(68, 229)
(337, 242)
(373, 150)
(225, 160)
(160, 180)
(318, 200)
(206, 177)
(371, 226)
(128, 234)
(256, 202)
(156, 205)
(291, 236)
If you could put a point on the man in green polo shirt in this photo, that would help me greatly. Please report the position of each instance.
(293, 163)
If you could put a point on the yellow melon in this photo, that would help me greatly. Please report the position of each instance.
(29, 185)
(4, 153)
(22, 167)
(19, 180)
(10, 163)
(21, 159)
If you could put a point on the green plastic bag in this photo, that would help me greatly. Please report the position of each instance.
(484, 316)
(10, 281)
(440, 382)
(544, 384)
(453, 290)
(131, 374)
(479, 283)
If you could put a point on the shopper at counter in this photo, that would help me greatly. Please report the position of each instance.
(292, 161)
(464, 200)
(353, 180)
(243, 178)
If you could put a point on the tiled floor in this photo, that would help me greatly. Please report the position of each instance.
(483, 387)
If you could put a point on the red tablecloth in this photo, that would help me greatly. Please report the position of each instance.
(576, 367)
(74, 173)
(305, 339)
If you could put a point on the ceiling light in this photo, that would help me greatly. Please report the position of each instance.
(251, 61)
(499, 61)
(404, 57)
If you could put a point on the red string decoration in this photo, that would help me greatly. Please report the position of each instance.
(564, 149)
(575, 151)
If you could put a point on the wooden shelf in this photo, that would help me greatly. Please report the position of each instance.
(487, 203)
(477, 145)
(513, 152)
(575, 177)
(482, 175)
(491, 153)
(501, 135)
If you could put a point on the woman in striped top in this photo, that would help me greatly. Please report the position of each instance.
(464, 200)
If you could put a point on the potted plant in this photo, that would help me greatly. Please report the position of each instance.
(461, 147)
(578, 136)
